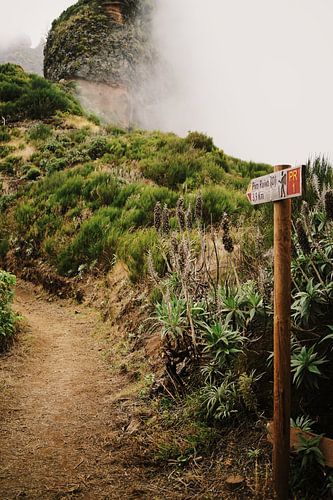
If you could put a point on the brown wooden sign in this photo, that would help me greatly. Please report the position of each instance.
(280, 187)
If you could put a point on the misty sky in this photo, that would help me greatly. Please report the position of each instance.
(32, 17)
(256, 75)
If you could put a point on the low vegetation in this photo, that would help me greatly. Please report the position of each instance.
(217, 330)
(85, 195)
(81, 197)
(25, 96)
(7, 317)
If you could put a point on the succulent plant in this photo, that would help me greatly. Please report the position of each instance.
(198, 208)
(329, 204)
(158, 216)
(302, 236)
(227, 239)
(189, 218)
(165, 219)
(180, 211)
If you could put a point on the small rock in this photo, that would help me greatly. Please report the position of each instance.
(234, 482)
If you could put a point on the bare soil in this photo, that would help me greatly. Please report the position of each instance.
(60, 422)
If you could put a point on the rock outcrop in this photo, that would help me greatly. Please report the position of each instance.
(106, 42)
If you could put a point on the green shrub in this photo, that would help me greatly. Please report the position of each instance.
(94, 119)
(5, 201)
(79, 136)
(133, 249)
(98, 147)
(90, 242)
(211, 173)
(68, 214)
(4, 134)
(33, 173)
(54, 165)
(5, 151)
(10, 91)
(10, 164)
(309, 477)
(30, 96)
(69, 194)
(54, 146)
(101, 189)
(139, 207)
(117, 148)
(306, 367)
(200, 141)
(173, 170)
(40, 132)
(220, 402)
(223, 343)
(113, 130)
(249, 170)
(219, 199)
(7, 317)
(25, 214)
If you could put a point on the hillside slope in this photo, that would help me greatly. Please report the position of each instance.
(87, 210)
(79, 211)
(77, 194)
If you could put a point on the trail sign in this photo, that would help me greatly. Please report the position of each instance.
(277, 186)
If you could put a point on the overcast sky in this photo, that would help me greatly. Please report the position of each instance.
(32, 17)
(257, 75)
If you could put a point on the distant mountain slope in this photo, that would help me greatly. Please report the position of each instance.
(20, 52)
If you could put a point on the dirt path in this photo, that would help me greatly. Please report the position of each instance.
(59, 424)
(71, 426)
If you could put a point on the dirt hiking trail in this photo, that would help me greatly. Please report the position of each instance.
(60, 427)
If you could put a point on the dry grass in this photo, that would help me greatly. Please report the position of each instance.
(80, 122)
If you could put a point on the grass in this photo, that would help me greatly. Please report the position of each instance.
(89, 197)
(87, 193)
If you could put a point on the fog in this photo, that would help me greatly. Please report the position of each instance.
(31, 17)
(10, 40)
(257, 76)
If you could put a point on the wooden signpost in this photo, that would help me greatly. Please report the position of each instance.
(280, 187)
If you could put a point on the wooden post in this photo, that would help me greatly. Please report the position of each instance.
(282, 312)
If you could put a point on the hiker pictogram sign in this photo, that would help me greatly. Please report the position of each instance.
(276, 186)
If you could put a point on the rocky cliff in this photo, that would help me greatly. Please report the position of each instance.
(102, 42)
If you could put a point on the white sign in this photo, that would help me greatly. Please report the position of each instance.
(276, 186)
